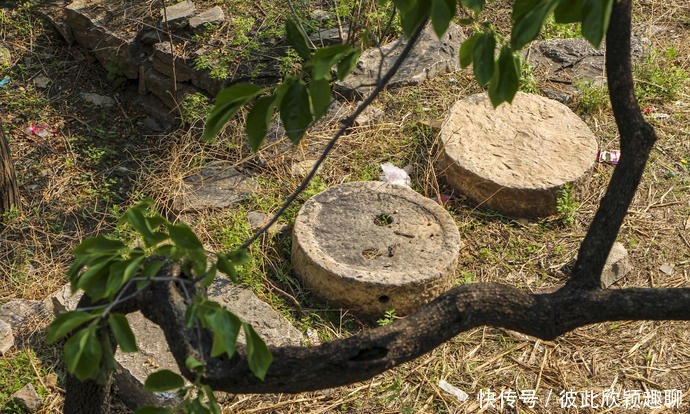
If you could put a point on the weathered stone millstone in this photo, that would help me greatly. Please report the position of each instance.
(373, 246)
(515, 158)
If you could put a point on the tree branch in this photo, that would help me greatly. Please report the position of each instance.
(637, 138)
(344, 361)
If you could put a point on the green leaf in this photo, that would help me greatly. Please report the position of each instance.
(98, 244)
(506, 81)
(152, 268)
(183, 236)
(467, 50)
(239, 257)
(163, 380)
(137, 220)
(227, 267)
(483, 58)
(83, 354)
(153, 410)
(225, 327)
(475, 5)
(569, 11)
(258, 355)
(122, 332)
(347, 63)
(595, 21)
(320, 93)
(116, 278)
(528, 18)
(94, 279)
(297, 39)
(325, 58)
(295, 110)
(259, 119)
(442, 11)
(194, 364)
(66, 322)
(208, 276)
(228, 102)
(412, 13)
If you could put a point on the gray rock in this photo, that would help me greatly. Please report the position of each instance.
(133, 368)
(152, 124)
(258, 219)
(154, 354)
(63, 300)
(321, 16)
(273, 328)
(515, 158)
(616, 267)
(161, 87)
(371, 246)
(370, 115)
(213, 15)
(42, 81)
(162, 59)
(302, 168)
(429, 58)
(5, 57)
(330, 36)
(218, 185)
(6, 337)
(98, 100)
(179, 11)
(28, 398)
(667, 268)
(20, 312)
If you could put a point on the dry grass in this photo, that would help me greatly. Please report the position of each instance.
(68, 194)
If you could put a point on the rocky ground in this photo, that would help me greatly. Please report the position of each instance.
(90, 136)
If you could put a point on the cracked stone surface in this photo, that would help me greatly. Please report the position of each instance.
(218, 185)
(372, 246)
(516, 158)
(429, 58)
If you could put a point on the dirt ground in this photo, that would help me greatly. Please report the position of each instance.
(80, 166)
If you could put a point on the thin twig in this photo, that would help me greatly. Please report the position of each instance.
(346, 125)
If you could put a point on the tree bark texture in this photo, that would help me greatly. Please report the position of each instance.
(9, 193)
(637, 138)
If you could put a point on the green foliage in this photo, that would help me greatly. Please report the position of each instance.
(566, 205)
(106, 267)
(591, 98)
(387, 319)
(195, 106)
(18, 370)
(659, 78)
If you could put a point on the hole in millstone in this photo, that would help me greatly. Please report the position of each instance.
(384, 299)
(383, 219)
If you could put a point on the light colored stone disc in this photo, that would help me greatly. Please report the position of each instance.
(372, 246)
(515, 158)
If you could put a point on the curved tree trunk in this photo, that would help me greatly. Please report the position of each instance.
(9, 193)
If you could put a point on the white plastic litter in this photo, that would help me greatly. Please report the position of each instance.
(394, 175)
(453, 390)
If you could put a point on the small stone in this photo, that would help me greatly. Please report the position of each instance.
(302, 168)
(28, 398)
(5, 57)
(218, 185)
(321, 16)
(19, 312)
(257, 219)
(178, 11)
(213, 15)
(42, 81)
(6, 337)
(98, 100)
(152, 124)
(667, 268)
(616, 267)
(63, 300)
(369, 116)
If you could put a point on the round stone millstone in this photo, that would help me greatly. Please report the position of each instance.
(515, 158)
(372, 246)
